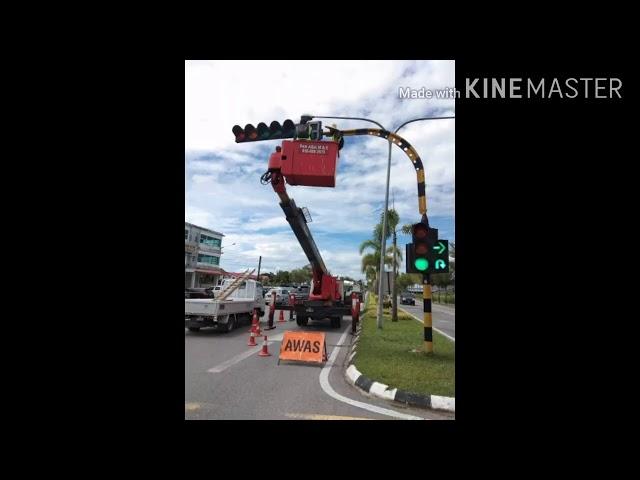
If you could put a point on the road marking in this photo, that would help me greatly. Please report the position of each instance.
(244, 355)
(190, 407)
(436, 329)
(313, 416)
(322, 417)
(324, 383)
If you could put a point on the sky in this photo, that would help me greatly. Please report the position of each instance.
(222, 178)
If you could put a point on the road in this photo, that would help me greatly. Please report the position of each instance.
(443, 317)
(226, 379)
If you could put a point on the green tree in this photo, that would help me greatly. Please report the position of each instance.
(405, 280)
(300, 275)
(281, 278)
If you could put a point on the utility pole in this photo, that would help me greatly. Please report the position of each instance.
(259, 263)
(394, 300)
(383, 240)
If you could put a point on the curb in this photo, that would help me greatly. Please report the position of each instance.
(380, 390)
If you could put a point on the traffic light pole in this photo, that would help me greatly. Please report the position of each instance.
(426, 312)
(422, 202)
(426, 286)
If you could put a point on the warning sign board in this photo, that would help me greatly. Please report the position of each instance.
(303, 347)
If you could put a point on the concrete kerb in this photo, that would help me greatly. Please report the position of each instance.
(380, 390)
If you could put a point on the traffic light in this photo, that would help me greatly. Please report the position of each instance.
(426, 254)
(420, 247)
(263, 132)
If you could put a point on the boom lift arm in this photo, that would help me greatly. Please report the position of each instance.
(325, 286)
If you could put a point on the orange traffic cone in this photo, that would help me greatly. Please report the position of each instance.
(281, 318)
(257, 329)
(252, 340)
(265, 350)
(254, 321)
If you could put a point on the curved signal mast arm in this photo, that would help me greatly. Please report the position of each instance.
(400, 142)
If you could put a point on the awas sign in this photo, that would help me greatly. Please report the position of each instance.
(303, 347)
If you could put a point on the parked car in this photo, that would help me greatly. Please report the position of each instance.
(407, 299)
(198, 292)
(282, 296)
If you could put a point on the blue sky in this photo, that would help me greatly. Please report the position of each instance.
(222, 187)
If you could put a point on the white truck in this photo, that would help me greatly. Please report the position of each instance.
(233, 306)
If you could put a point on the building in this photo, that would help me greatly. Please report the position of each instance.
(202, 251)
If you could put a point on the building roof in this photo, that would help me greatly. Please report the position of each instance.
(211, 271)
(205, 229)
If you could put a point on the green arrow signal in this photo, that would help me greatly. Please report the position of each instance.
(440, 248)
(440, 264)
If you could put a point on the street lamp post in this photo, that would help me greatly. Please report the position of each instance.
(384, 217)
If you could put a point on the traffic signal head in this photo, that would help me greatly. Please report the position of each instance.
(263, 132)
(420, 232)
(426, 254)
(309, 130)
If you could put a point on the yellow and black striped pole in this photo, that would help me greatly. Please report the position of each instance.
(410, 152)
(397, 140)
(426, 310)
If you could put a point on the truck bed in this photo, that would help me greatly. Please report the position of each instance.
(209, 307)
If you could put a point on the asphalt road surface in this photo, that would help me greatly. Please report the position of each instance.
(226, 379)
(443, 317)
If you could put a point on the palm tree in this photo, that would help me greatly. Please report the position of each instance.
(371, 261)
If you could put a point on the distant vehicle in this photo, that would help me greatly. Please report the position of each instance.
(349, 288)
(243, 297)
(407, 299)
(282, 295)
(302, 293)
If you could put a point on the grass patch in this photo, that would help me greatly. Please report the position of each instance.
(388, 355)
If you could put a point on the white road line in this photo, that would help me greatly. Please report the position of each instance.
(436, 329)
(244, 355)
(324, 383)
(444, 310)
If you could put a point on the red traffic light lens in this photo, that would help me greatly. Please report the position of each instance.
(238, 132)
(250, 132)
(420, 231)
(421, 249)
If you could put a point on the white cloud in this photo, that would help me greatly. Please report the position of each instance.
(223, 191)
